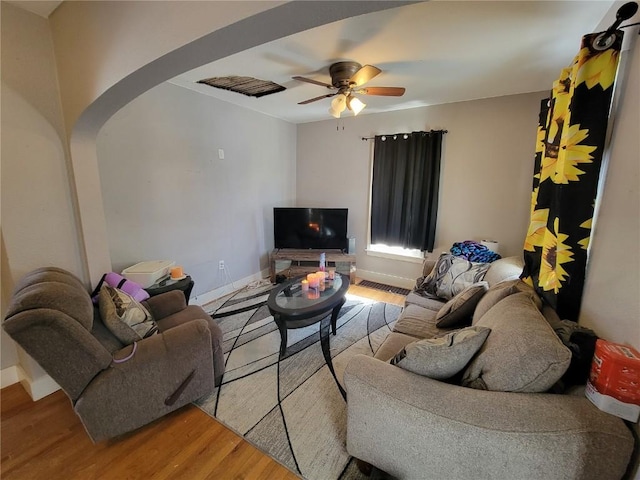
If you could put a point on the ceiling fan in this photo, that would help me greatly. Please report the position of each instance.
(347, 79)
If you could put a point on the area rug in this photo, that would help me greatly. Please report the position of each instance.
(291, 408)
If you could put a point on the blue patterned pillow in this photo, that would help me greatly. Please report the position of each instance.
(451, 275)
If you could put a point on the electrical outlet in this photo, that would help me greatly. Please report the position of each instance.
(221, 265)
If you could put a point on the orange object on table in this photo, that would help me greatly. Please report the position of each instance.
(177, 272)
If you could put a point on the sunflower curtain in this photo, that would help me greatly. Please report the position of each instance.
(569, 149)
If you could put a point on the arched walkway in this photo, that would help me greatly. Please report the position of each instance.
(278, 22)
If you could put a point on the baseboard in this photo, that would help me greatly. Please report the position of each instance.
(392, 280)
(212, 295)
(38, 388)
(9, 376)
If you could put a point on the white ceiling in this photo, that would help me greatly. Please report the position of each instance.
(440, 51)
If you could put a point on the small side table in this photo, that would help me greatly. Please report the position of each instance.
(166, 285)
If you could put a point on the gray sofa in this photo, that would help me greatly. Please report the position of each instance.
(415, 427)
(114, 388)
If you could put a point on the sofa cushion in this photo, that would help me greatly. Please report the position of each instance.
(418, 322)
(392, 345)
(442, 357)
(458, 311)
(424, 300)
(451, 275)
(502, 290)
(103, 335)
(522, 353)
(124, 316)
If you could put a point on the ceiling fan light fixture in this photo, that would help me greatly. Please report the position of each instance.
(355, 105)
(339, 103)
(346, 80)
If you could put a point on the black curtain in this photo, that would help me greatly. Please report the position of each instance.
(404, 199)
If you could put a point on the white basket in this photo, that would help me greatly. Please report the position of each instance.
(148, 273)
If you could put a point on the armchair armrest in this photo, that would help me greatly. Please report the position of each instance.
(407, 425)
(128, 395)
(166, 304)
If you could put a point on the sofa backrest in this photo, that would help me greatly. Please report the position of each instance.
(51, 316)
(508, 268)
(522, 353)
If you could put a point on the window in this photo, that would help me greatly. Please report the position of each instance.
(404, 192)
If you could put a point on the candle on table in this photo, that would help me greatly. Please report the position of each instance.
(321, 280)
(177, 272)
(305, 285)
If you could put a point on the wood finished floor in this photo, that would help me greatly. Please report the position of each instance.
(45, 440)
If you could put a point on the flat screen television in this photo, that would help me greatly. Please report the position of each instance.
(310, 228)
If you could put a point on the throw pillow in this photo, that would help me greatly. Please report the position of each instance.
(442, 357)
(522, 354)
(451, 275)
(458, 311)
(124, 316)
(502, 290)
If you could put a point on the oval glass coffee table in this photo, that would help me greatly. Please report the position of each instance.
(293, 307)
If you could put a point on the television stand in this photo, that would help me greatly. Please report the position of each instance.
(300, 262)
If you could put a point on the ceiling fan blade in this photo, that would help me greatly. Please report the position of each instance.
(315, 82)
(365, 74)
(315, 99)
(383, 91)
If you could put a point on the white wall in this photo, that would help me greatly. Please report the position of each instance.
(486, 176)
(611, 302)
(167, 195)
(38, 220)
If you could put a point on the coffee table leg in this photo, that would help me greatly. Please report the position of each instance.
(326, 350)
(334, 315)
(283, 333)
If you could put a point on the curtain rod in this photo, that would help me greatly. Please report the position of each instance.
(607, 38)
(392, 134)
(625, 12)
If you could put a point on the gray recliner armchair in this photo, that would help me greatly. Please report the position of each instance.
(114, 388)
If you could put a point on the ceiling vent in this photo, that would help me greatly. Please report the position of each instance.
(252, 87)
